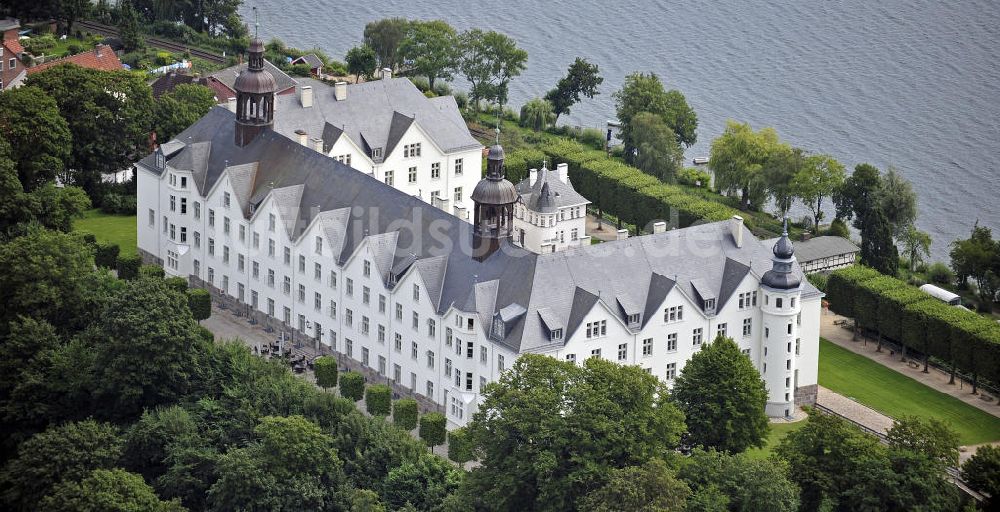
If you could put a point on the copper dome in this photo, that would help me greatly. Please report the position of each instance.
(495, 191)
(255, 82)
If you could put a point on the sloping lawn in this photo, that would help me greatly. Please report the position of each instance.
(119, 229)
(896, 395)
(778, 432)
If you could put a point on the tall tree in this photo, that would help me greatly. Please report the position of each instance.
(490, 60)
(109, 115)
(861, 198)
(898, 201)
(582, 79)
(38, 136)
(384, 37)
(819, 178)
(73, 10)
(877, 247)
(982, 472)
(423, 484)
(930, 437)
(109, 490)
(744, 484)
(548, 431)
(656, 151)
(722, 397)
(977, 258)
(738, 157)
(180, 108)
(50, 206)
(431, 48)
(361, 61)
(537, 114)
(651, 487)
(779, 173)
(916, 245)
(645, 93)
(128, 27)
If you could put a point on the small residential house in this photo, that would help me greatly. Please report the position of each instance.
(12, 70)
(101, 57)
(824, 253)
(313, 61)
(552, 215)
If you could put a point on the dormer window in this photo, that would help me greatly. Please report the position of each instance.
(377, 153)
(633, 319)
(556, 334)
(161, 159)
(498, 330)
(710, 306)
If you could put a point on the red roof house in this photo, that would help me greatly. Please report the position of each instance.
(101, 57)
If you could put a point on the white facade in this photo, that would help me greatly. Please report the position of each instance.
(557, 226)
(394, 329)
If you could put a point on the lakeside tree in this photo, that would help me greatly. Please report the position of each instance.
(898, 202)
(656, 151)
(489, 61)
(615, 416)
(537, 114)
(916, 245)
(860, 199)
(722, 397)
(818, 179)
(361, 61)
(384, 37)
(978, 258)
(779, 173)
(431, 49)
(38, 136)
(651, 487)
(644, 92)
(108, 113)
(175, 111)
(738, 157)
(582, 79)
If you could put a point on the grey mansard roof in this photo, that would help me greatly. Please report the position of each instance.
(532, 294)
(548, 193)
(375, 114)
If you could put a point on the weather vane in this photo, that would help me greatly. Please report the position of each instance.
(256, 22)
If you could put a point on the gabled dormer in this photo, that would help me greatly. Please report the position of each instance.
(504, 320)
(630, 311)
(708, 299)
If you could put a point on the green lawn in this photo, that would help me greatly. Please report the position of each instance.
(896, 395)
(778, 432)
(119, 229)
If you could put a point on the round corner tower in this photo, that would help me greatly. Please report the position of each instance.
(782, 290)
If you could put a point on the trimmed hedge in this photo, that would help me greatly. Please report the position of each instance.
(352, 385)
(325, 368)
(459, 446)
(378, 399)
(128, 266)
(965, 340)
(178, 283)
(200, 303)
(634, 196)
(106, 255)
(433, 428)
(404, 413)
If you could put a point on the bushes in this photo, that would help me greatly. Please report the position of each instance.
(151, 271)
(200, 303)
(326, 372)
(939, 273)
(694, 177)
(433, 429)
(902, 312)
(404, 413)
(179, 284)
(459, 446)
(128, 266)
(378, 399)
(352, 385)
(106, 255)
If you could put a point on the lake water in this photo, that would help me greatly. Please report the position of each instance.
(910, 83)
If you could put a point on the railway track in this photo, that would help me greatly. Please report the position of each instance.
(105, 30)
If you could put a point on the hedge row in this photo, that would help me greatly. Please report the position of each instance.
(896, 310)
(632, 195)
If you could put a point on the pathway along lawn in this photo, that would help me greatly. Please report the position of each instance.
(119, 229)
(897, 395)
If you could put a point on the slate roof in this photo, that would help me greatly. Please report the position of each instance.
(167, 82)
(311, 59)
(549, 193)
(8, 24)
(227, 77)
(535, 293)
(819, 247)
(375, 114)
(106, 61)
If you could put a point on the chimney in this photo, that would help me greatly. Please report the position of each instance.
(622, 234)
(303, 137)
(306, 96)
(97, 50)
(317, 144)
(659, 227)
(562, 170)
(461, 213)
(736, 228)
(532, 176)
(340, 91)
(386, 73)
(806, 235)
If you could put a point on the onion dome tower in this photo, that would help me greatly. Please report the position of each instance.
(782, 292)
(255, 89)
(494, 198)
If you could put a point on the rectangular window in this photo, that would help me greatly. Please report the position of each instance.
(152, 217)
(447, 336)
(672, 342)
(333, 309)
(197, 210)
(243, 233)
(777, 302)
(671, 371)
(381, 303)
(468, 381)
(416, 320)
(211, 217)
(348, 317)
(747, 327)
(287, 285)
(500, 366)
(673, 314)
(225, 254)
(720, 330)
(399, 311)
(388, 178)
(225, 225)
(270, 248)
(430, 359)
(239, 260)
(431, 327)
(302, 293)
(398, 342)
(197, 239)
(696, 336)
(798, 343)
(364, 325)
(302, 264)
(333, 279)
(412, 175)
(469, 349)
(483, 354)
(458, 167)
(447, 367)
(317, 301)
(366, 294)
(173, 203)
(595, 353)
(288, 256)
(597, 329)
(381, 333)
(368, 268)
(317, 271)
(416, 293)
(413, 350)
(458, 194)
(647, 347)
(571, 358)
(270, 307)
(211, 247)
(364, 356)
(270, 278)
(349, 286)
(271, 221)
(225, 199)
(430, 389)
(622, 351)
(255, 269)
(318, 245)
(256, 240)
(435, 170)
(348, 347)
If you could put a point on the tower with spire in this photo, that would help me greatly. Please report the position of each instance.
(255, 89)
(782, 289)
(494, 198)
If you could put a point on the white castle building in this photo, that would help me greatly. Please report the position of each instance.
(551, 215)
(439, 307)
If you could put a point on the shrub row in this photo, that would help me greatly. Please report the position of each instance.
(896, 310)
(632, 195)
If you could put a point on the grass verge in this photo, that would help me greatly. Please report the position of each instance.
(119, 229)
(778, 432)
(897, 395)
